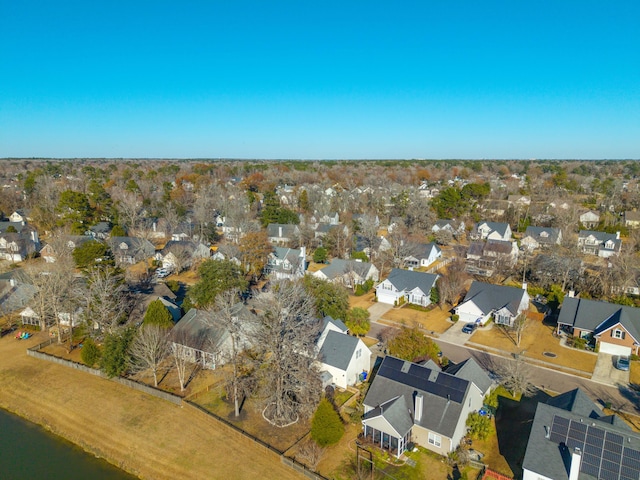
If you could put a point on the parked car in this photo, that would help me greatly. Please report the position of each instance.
(162, 272)
(469, 328)
(622, 363)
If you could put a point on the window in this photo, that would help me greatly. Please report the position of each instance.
(358, 353)
(435, 440)
(617, 333)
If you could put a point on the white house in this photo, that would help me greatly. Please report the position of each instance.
(590, 219)
(423, 256)
(348, 272)
(491, 231)
(485, 301)
(404, 285)
(342, 356)
(602, 244)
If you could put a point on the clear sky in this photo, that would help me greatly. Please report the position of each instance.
(319, 80)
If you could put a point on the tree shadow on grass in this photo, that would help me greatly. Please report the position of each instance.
(513, 426)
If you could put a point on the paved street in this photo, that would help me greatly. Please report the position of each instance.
(452, 345)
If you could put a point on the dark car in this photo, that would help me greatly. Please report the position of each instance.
(622, 363)
(469, 328)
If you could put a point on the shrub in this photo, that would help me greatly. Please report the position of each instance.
(479, 426)
(173, 285)
(455, 317)
(358, 321)
(90, 353)
(326, 427)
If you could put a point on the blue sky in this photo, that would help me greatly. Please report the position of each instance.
(319, 80)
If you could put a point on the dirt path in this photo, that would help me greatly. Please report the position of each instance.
(139, 433)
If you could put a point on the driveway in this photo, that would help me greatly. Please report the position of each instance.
(606, 372)
(455, 335)
(377, 310)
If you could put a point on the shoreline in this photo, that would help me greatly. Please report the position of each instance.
(145, 436)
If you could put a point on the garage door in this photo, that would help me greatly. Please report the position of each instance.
(612, 349)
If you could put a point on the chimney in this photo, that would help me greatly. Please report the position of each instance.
(571, 294)
(418, 410)
(617, 235)
(280, 232)
(154, 226)
(524, 286)
(576, 458)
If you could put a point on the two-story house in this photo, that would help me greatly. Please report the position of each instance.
(406, 286)
(484, 301)
(601, 244)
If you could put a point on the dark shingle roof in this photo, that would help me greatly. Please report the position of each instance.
(488, 297)
(406, 280)
(543, 235)
(597, 316)
(470, 370)
(337, 349)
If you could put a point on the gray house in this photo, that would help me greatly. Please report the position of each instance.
(541, 237)
(130, 249)
(407, 402)
(571, 439)
(599, 243)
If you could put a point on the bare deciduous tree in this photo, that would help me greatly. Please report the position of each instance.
(310, 453)
(286, 333)
(516, 377)
(149, 348)
(107, 299)
(451, 283)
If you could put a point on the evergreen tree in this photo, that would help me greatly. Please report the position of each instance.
(115, 353)
(358, 321)
(326, 427)
(157, 314)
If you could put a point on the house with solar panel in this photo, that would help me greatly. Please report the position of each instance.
(485, 300)
(408, 402)
(571, 439)
(344, 359)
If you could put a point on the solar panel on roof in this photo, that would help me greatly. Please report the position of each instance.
(615, 438)
(612, 446)
(593, 449)
(590, 469)
(632, 454)
(557, 438)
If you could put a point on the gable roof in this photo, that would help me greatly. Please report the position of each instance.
(488, 297)
(498, 227)
(339, 267)
(544, 235)
(470, 370)
(424, 250)
(406, 280)
(598, 316)
(444, 394)
(337, 349)
(395, 413)
(288, 230)
(549, 448)
(338, 323)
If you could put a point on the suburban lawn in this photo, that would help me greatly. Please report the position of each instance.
(634, 373)
(536, 339)
(144, 435)
(435, 320)
(363, 301)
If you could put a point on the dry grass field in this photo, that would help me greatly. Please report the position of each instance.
(363, 301)
(537, 339)
(435, 320)
(144, 435)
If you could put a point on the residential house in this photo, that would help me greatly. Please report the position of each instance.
(519, 200)
(323, 229)
(371, 248)
(406, 286)
(99, 231)
(130, 250)
(483, 258)
(64, 245)
(491, 231)
(183, 232)
(179, 255)
(572, 439)
(16, 247)
(423, 255)
(632, 219)
(287, 263)
(19, 216)
(16, 291)
(282, 234)
(343, 357)
(615, 328)
(456, 228)
(357, 218)
(601, 244)
(348, 272)
(407, 402)
(541, 237)
(590, 219)
(484, 301)
(332, 218)
(201, 339)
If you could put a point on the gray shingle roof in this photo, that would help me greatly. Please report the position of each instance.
(499, 227)
(337, 349)
(338, 323)
(470, 370)
(537, 233)
(597, 316)
(395, 412)
(406, 280)
(339, 267)
(488, 297)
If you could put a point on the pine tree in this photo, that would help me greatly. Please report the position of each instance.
(157, 314)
